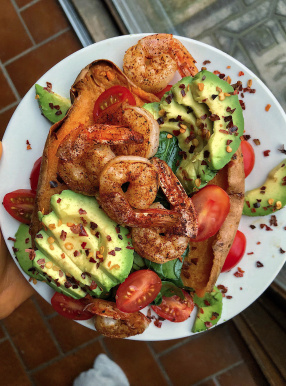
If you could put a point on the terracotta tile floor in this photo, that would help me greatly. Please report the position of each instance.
(39, 347)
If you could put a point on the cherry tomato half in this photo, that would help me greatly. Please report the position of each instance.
(113, 95)
(70, 308)
(35, 173)
(20, 204)
(248, 157)
(162, 92)
(138, 290)
(236, 252)
(212, 206)
(174, 308)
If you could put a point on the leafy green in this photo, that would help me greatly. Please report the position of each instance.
(169, 150)
(138, 262)
(168, 289)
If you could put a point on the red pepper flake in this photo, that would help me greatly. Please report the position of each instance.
(108, 238)
(281, 250)
(229, 297)
(76, 253)
(214, 117)
(202, 311)
(120, 237)
(63, 235)
(216, 72)
(112, 253)
(11, 239)
(97, 235)
(214, 316)
(129, 247)
(241, 73)
(222, 288)
(267, 107)
(158, 323)
(267, 228)
(28, 145)
(250, 253)
(128, 235)
(207, 303)
(91, 260)
(83, 245)
(273, 220)
(259, 264)
(83, 220)
(176, 132)
(59, 200)
(81, 211)
(117, 249)
(256, 141)
(27, 240)
(223, 131)
(208, 324)
(117, 228)
(93, 225)
(266, 153)
(82, 231)
(206, 62)
(93, 285)
(242, 104)
(239, 272)
(15, 249)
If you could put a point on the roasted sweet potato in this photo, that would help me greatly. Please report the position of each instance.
(205, 259)
(90, 83)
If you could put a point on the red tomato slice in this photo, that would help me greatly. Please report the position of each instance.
(236, 252)
(248, 157)
(138, 290)
(111, 96)
(212, 206)
(35, 173)
(20, 204)
(162, 92)
(174, 308)
(70, 308)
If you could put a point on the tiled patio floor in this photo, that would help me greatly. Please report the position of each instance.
(39, 347)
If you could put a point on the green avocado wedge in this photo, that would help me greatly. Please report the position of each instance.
(53, 106)
(204, 114)
(270, 196)
(209, 310)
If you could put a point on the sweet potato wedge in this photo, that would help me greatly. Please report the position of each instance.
(205, 259)
(90, 83)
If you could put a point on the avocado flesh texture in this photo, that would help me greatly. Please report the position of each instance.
(209, 310)
(191, 108)
(70, 207)
(256, 201)
(23, 242)
(56, 278)
(47, 100)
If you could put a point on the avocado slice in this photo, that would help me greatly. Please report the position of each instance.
(270, 196)
(23, 242)
(89, 240)
(53, 106)
(209, 310)
(206, 118)
(56, 278)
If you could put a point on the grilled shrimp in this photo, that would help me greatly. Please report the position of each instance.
(156, 244)
(141, 192)
(112, 322)
(139, 120)
(84, 152)
(151, 64)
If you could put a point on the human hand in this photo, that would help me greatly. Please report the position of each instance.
(14, 288)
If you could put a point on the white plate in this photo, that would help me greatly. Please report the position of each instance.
(28, 124)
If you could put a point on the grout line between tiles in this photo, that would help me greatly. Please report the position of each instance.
(104, 346)
(213, 376)
(161, 367)
(11, 84)
(48, 326)
(22, 21)
(175, 346)
(6, 108)
(31, 49)
(68, 353)
(16, 351)
(3, 339)
(27, 5)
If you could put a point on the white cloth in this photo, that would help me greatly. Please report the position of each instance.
(105, 372)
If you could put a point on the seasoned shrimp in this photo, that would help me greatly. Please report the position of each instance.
(112, 322)
(151, 64)
(156, 244)
(84, 152)
(141, 192)
(139, 120)
(178, 199)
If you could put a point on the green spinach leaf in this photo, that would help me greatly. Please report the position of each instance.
(169, 150)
